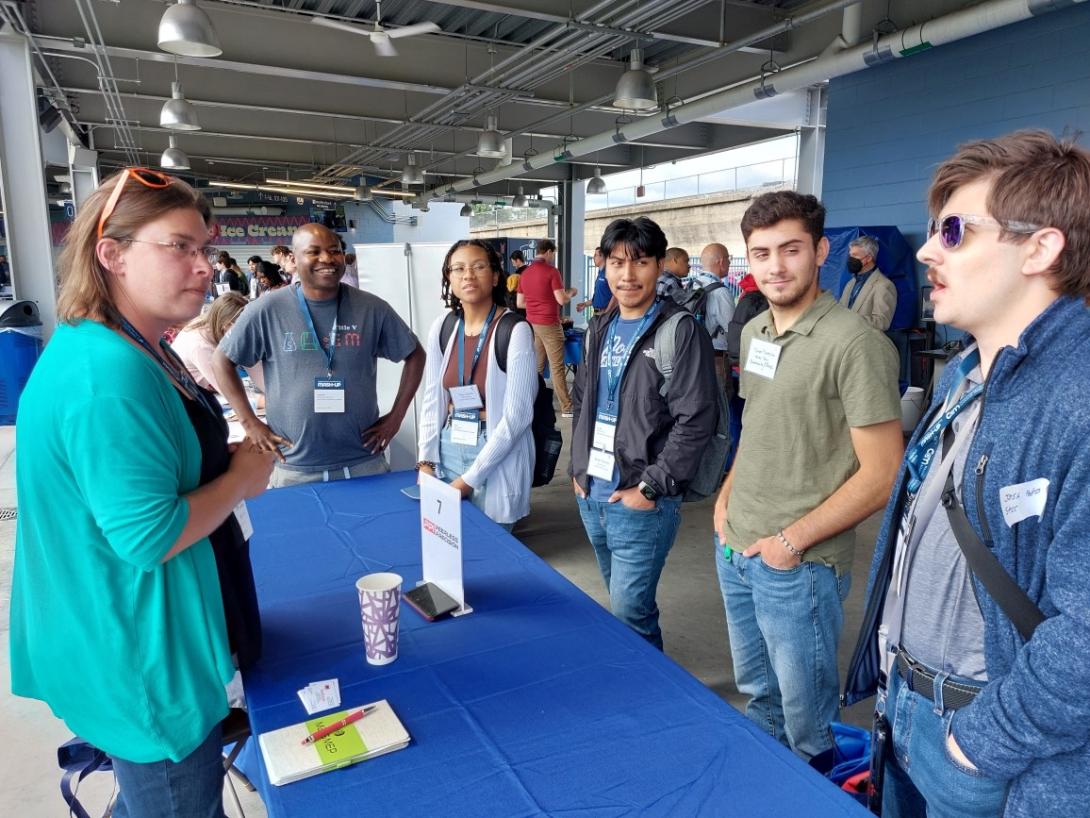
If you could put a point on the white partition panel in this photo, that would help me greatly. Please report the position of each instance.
(409, 278)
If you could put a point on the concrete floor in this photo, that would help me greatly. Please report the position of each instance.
(693, 625)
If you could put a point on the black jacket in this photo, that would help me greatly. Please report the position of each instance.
(659, 440)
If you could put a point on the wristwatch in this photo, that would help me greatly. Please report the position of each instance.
(648, 491)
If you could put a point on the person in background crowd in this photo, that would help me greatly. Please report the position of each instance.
(511, 299)
(226, 275)
(127, 550)
(351, 271)
(602, 299)
(541, 293)
(197, 342)
(284, 258)
(751, 302)
(868, 293)
(319, 342)
(253, 263)
(518, 260)
(818, 454)
(634, 449)
(674, 270)
(476, 411)
(269, 278)
(719, 307)
(990, 717)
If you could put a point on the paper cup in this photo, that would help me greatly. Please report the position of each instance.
(380, 605)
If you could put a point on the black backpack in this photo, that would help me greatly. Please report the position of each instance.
(547, 438)
(750, 305)
(695, 300)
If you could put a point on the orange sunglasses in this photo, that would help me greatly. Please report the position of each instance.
(145, 176)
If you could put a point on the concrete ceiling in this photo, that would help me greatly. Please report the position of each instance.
(291, 97)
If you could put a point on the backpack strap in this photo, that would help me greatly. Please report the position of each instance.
(447, 330)
(504, 327)
(666, 348)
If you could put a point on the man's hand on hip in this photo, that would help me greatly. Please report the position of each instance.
(632, 498)
(378, 437)
(773, 554)
(264, 438)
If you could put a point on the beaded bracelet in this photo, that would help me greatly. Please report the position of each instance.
(787, 545)
(427, 463)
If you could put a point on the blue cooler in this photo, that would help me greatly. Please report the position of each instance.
(20, 346)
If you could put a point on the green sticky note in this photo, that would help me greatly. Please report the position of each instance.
(343, 745)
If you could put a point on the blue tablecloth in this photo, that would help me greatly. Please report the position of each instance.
(538, 703)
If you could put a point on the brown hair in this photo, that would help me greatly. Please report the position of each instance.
(544, 246)
(499, 292)
(1037, 179)
(676, 254)
(85, 283)
(770, 209)
(224, 311)
(280, 250)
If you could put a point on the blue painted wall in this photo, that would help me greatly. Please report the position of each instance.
(889, 126)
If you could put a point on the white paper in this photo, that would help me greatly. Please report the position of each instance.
(600, 464)
(763, 358)
(464, 432)
(1023, 500)
(441, 535)
(242, 514)
(319, 696)
(466, 397)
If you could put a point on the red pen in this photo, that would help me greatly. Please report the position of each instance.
(339, 725)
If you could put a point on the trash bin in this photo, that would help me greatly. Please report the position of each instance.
(20, 346)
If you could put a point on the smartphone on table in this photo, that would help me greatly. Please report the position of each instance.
(430, 601)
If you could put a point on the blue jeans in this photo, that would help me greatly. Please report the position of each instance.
(190, 788)
(784, 627)
(455, 459)
(921, 778)
(631, 548)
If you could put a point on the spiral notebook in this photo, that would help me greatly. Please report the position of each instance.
(287, 759)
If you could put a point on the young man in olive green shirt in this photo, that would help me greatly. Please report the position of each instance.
(819, 451)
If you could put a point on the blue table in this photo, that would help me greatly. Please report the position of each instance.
(538, 703)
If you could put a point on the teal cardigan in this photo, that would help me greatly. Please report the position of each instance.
(131, 652)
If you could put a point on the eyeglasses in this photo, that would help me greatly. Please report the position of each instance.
(183, 249)
(145, 176)
(951, 228)
(478, 269)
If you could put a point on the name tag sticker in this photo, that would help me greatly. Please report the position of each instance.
(1023, 500)
(328, 395)
(466, 397)
(763, 358)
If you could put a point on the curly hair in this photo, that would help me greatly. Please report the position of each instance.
(499, 291)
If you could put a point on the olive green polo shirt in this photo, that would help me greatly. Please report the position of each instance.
(835, 372)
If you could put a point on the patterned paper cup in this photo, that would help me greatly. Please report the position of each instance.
(380, 604)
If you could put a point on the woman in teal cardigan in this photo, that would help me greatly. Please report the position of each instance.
(117, 617)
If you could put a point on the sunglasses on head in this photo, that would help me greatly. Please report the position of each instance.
(145, 176)
(951, 228)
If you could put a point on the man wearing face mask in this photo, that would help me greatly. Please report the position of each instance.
(869, 293)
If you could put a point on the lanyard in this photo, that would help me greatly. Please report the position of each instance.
(329, 353)
(173, 365)
(477, 352)
(922, 454)
(615, 373)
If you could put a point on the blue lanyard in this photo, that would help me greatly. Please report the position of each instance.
(615, 373)
(922, 454)
(174, 366)
(329, 353)
(477, 352)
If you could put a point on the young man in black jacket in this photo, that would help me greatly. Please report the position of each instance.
(634, 448)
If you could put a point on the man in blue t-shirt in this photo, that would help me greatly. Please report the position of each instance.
(633, 449)
(602, 299)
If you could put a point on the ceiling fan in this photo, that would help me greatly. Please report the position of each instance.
(381, 38)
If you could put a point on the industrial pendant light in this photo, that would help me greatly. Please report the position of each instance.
(636, 89)
(363, 194)
(411, 174)
(174, 158)
(490, 142)
(178, 113)
(596, 185)
(520, 199)
(467, 210)
(186, 30)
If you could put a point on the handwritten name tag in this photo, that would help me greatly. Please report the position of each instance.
(1023, 500)
(763, 358)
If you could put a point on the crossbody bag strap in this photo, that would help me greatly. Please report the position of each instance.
(1012, 600)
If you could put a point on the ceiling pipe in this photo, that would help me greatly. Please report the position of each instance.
(941, 31)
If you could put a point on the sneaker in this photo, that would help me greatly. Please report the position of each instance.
(567, 414)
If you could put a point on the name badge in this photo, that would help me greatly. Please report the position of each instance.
(763, 358)
(465, 426)
(329, 395)
(242, 514)
(601, 464)
(466, 397)
(1023, 500)
(605, 431)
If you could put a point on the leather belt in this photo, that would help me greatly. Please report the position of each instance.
(921, 679)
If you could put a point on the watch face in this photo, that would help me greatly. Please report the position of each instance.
(648, 492)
